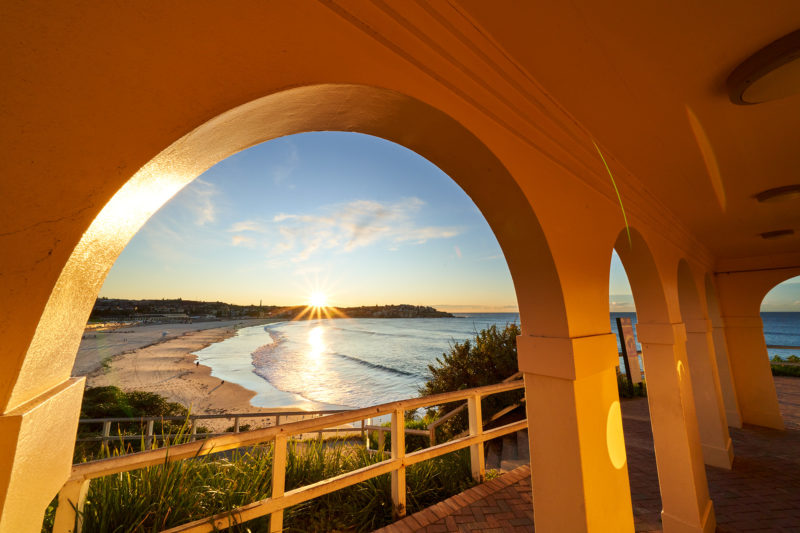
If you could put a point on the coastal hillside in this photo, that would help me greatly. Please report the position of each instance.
(179, 310)
(373, 311)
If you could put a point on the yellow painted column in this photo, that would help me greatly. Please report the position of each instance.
(578, 461)
(732, 414)
(37, 439)
(714, 436)
(686, 506)
(752, 374)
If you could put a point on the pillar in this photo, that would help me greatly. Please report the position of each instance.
(729, 399)
(752, 373)
(36, 454)
(713, 426)
(578, 461)
(679, 455)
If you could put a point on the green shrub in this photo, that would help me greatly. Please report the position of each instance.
(786, 370)
(627, 389)
(112, 402)
(488, 359)
(163, 496)
(793, 359)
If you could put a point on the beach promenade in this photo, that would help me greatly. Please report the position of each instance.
(760, 493)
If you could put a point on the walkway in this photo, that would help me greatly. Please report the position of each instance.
(761, 493)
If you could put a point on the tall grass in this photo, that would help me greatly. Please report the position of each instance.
(167, 495)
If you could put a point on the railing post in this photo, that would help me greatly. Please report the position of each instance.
(194, 430)
(277, 420)
(398, 452)
(278, 480)
(69, 514)
(148, 441)
(476, 428)
(363, 433)
(432, 436)
(236, 424)
(106, 436)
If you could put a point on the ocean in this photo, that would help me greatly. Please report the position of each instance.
(351, 363)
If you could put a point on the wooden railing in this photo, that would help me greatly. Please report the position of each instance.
(192, 420)
(447, 416)
(73, 495)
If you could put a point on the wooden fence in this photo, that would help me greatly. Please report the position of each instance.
(73, 495)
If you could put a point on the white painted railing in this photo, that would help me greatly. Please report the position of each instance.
(73, 494)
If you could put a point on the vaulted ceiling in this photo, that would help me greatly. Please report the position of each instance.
(648, 81)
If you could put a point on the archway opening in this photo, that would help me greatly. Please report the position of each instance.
(381, 113)
(322, 236)
(780, 314)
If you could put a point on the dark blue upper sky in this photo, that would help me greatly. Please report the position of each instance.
(357, 217)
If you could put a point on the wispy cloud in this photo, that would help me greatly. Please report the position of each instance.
(458, 251)
(282, 172)
(342, 228)
(247, 225)
(198, 199)
(243, 240)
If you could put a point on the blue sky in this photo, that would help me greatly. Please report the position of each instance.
(362, 219)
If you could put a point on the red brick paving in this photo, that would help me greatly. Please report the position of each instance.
(760, 493)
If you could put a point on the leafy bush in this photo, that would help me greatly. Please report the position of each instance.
(164, 496)
(627, 389)
(488, 359)
(786, 370)
(112, 402)
(413, 442)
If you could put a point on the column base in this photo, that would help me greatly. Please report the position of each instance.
(37, 440)
(734, 420)
(719, 457)
(708, 522)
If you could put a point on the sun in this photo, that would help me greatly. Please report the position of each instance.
(319, 299)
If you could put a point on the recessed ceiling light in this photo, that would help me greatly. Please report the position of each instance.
(777, 233)
(777, 194)
(770, 74)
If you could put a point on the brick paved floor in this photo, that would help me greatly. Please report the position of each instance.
(760, 493)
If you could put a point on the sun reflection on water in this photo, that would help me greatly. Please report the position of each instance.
(316, 343)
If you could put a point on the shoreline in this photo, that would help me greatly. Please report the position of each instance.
(170, 369)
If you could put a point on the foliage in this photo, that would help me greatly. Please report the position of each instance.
(413, 442)
(488, 359)
(112, 402)
(627, 389)
(243, 427)
(786, 370)
(163, 496)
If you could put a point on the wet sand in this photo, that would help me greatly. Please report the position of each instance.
(169, 368)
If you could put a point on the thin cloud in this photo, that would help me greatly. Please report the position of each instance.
(343, 228)
(243, 240)
(282, 172)
(247, 225)
(458, 251)
(199, 200)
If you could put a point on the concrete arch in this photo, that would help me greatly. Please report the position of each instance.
(374, 111)
(644, 277)
(676, 438)
(740, 295)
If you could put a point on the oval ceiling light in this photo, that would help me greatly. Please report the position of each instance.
(777, 233)
(770, 74)
(777, 194)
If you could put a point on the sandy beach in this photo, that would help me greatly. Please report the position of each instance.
(168, 368)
